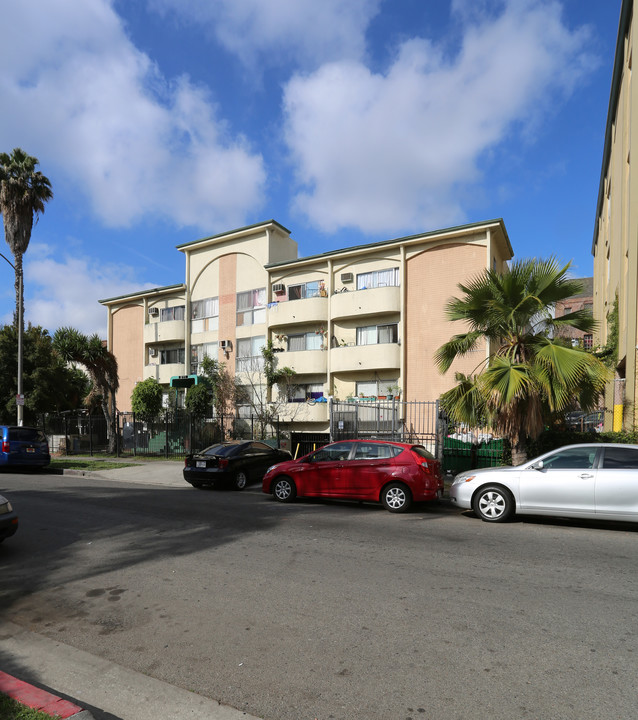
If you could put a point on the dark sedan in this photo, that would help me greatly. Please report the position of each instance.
(236, 463)
(8, 519)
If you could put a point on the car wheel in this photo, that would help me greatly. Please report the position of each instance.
(493, 504)
(241, 480)
(284, 490)
(396, 498)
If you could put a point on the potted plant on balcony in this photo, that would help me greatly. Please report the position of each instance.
(393, 391)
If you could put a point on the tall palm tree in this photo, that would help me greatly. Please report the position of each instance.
(23, 194)
(529, 374)
(101, 365)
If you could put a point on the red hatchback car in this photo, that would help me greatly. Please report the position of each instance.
(393, 473)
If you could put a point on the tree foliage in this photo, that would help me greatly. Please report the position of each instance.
(49, 385)
(199, 400)
(146, 399)
(528, 377)
(101, 365)
(23, 194)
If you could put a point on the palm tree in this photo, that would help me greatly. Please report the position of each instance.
(529, 375)
(100, 364)
(23, 194)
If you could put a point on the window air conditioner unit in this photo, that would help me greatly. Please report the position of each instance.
(347, 277)
(279, 288)
(153, 312)
(152, 352)
(225, 344)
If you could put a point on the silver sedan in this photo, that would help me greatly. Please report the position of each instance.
(596, 480)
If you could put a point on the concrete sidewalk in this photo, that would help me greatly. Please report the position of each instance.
(102, 689)
(158, 472)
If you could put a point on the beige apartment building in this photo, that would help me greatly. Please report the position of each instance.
(615, 243)
(363, 320)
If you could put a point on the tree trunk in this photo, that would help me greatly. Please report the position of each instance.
(519, 452)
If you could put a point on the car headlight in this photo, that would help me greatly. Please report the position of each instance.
(5, 508)
(463, 478)
(272, 467)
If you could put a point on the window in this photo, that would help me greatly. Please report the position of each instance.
(621, 458)
(199, 352)
(378, 278)
(305, 290)
(249, 357)
(251, 307)
(374, 451)
(571, 458)
(588, 342)
(172, 356)
(567, 309)
(331, 453)
(309, 391)
(374, 388)
(205, 315)
(376, 334)
(172, 313)
(304, 341)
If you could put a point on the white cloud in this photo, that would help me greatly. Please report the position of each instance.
(135, 143)
(393, 151)
(278, 31)
(64, 290)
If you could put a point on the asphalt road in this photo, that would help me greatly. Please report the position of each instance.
(329, 610)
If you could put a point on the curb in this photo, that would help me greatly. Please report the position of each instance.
(41, 700)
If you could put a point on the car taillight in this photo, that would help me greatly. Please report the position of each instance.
(5, 446)
(223, 462)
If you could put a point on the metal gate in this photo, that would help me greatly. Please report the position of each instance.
(405, 421)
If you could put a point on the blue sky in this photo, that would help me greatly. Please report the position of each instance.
(160, 122)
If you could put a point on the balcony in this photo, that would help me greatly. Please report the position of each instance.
(169, 331)
(164, 373)
(362, 303)
(304, 412)
(304, 361)
(385, 356)
(295, 312)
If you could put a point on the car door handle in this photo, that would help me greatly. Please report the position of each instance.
(585, 476)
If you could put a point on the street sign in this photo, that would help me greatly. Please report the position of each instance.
(19, 399)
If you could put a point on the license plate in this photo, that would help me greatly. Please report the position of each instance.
(200, 463)
(30, 449)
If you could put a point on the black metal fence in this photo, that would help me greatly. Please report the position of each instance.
(173, 434)
(405, 421)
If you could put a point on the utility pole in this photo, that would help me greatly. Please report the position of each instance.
(20, 394)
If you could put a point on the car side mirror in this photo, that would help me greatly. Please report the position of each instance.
(538, 465)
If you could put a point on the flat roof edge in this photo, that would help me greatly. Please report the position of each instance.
(142, 293)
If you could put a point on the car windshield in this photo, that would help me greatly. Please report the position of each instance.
(220, 449)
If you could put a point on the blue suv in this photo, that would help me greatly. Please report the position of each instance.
(23, 447)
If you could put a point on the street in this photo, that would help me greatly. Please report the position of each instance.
(328, 610)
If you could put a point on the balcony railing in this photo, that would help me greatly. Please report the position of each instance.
(169, 331)
(294, 312)
(385, 356)
(360, 303)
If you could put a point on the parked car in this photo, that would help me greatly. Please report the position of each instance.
(8, 519)
(23, 447)
(393, 473)
(593, 480)
(236, 462)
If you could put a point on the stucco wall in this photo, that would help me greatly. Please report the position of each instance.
(128, 348)
(432, 279)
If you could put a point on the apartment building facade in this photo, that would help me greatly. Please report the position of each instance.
(363, 320)
(615, 242)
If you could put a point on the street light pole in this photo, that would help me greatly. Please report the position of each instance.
(19, 396)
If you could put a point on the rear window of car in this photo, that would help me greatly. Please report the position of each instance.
(422, 452)
(370, 451)
(222, 450)
(620, 458)
(26, 434)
